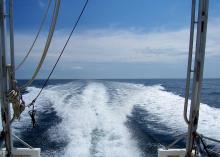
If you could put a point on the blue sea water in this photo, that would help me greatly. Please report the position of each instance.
(114, 118)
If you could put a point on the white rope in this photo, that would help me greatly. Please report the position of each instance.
(23, 142)
(47, 45)
(180, 137)
(38, 33)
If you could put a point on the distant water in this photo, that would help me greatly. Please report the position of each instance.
(114, 118)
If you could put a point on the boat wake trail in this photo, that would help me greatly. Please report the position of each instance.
(93, 126)
(95, 116)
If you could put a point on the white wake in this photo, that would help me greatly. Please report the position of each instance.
(94, 115)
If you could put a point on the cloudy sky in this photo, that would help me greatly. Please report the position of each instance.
(115, 39)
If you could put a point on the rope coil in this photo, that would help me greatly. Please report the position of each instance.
(18, 103)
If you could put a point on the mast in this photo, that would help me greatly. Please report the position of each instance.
(198, 75)
(11, 25)
(5, 106)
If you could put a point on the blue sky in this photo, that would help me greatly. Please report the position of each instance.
(115, 39)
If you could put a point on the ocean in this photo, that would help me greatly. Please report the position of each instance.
(113, 118)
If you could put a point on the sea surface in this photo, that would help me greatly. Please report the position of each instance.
(114, 118)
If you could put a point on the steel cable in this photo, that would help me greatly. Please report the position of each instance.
(62, 51)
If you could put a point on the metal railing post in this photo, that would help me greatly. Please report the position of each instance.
(5, 107)
(198, 74)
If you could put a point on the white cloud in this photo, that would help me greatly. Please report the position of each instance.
(112, 45)
(76, 67)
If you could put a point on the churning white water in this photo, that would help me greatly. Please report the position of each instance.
(94, 115)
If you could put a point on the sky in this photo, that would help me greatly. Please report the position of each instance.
(115, 39)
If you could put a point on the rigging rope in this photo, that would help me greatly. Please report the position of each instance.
(179, 138)
(213, 151)
(204, 146)
(213, 140)
(61, 53)
(209, 138)
(47, 45)
(37, 35)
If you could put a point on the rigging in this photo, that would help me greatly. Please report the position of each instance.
(47, 45)
(36, 37)
(61, 53)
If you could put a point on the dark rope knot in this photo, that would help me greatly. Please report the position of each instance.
(32, 114)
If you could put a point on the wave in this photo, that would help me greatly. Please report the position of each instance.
(91, 124)
(94, 115)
